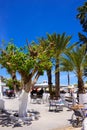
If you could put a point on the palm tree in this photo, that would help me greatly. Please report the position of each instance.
(45, 44)
(75, 61)
(59, 44)
(82, 16)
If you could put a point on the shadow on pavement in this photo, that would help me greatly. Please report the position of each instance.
(10, 118)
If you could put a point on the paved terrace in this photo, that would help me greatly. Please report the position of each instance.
(46, 120)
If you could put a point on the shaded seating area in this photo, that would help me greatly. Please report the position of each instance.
(36, 96)
(69, 100)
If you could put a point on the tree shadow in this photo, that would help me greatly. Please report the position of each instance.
(10, 118)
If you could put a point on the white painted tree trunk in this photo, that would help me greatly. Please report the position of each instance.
(83, 99)
(23, 100)
(84, 124)
(2, 104)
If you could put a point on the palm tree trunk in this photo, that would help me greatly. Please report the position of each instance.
(81, 88)
(57, 79)
(68, 79)
(49, 82)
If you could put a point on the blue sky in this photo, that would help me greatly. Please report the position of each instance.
(30, 19)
